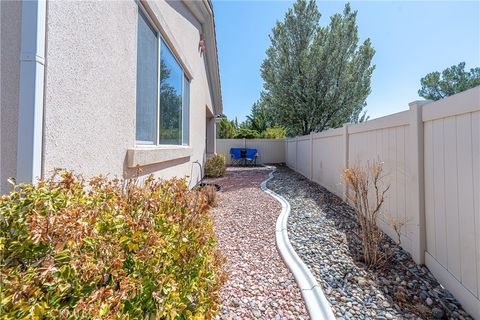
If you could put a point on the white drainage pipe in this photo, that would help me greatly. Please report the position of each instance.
(30, 105)
(317, 304)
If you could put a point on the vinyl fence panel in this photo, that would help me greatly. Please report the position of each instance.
(269, 150)
(303, 155)
(431, 161)
(291, 153)
(452, 193)
(328, 160)
(224, 146)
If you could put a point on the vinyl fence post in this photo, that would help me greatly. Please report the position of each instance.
(296, 153)
(416, 181)
(311, 156)
(345, 158)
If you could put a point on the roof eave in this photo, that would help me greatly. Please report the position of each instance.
(203, 11)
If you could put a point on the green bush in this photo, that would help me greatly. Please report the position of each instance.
(274, 133)
(108, 249)
(247, 134)
(215, 166)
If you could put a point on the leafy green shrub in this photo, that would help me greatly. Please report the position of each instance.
(247, 134)
(107, 249)
(274, 133)
(215, 166)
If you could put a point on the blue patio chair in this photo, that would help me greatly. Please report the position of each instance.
(251, 156)
(236, 155)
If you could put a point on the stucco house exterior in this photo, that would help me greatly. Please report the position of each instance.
(107, 87)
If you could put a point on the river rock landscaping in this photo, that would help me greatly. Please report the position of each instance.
(320, 228)
(259, 285)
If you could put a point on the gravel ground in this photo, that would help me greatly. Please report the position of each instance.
(320, 228)
(259, 285)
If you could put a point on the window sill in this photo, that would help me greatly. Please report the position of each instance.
(147, 155)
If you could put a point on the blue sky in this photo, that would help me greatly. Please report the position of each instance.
(411, 38)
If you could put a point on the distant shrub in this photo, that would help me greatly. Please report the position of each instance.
(107, 249)
(215, 166)
(274, 133)
(247, 134)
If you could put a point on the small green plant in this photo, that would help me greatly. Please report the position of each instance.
(215, 166)
(109, 249)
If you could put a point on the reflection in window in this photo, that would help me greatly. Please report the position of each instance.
(186, 111)
(147, 80)
(171, 77)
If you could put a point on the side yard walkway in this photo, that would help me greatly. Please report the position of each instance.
(259, 285)
(320, 228)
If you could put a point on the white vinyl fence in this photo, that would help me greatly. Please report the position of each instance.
(452, 194)
(431, 156)
(269, 150)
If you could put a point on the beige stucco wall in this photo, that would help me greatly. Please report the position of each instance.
(10, 28)
(90, 85)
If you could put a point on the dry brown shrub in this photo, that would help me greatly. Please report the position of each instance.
(211, 195)
(361, 182)
(397, 226)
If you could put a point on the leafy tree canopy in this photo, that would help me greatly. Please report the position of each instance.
(255, 126)
(316, 77)
(259, 119)
(275, 133)
(247, 134)
(436, 85)
(227, 129)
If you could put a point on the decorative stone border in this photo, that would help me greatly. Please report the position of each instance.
(317, 305)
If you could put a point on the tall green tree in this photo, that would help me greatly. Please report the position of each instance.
(261, 122)
(259, 119)
(227, 129)
(436, 85)
(315, 77)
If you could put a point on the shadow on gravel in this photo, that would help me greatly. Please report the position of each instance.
(245, 177)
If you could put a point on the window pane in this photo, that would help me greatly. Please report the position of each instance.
(147, 81)
(186, 111)
(171, 77)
